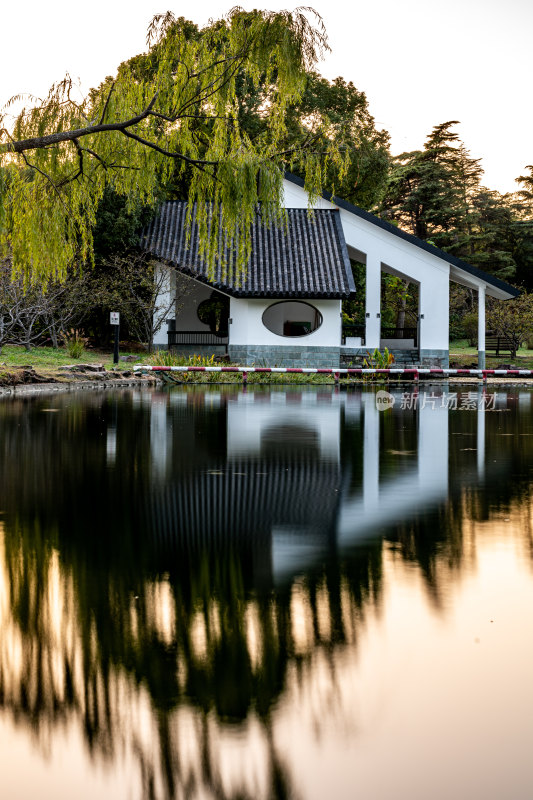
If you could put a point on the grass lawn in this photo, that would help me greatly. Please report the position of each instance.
(462, 353)
(47, 359)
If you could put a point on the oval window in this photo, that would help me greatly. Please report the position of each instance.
(292, 318)
(215, 313)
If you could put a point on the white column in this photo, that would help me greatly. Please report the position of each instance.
(164, 300)
(373, 302)
(111, 444)
(370, 454)
(160, 436)
(480, 440)
(433, 308)
(481, 328)
(433, 446)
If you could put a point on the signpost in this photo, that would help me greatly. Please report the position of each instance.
(114, 319)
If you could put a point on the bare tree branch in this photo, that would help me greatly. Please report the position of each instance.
(147, 143)
(39, 142)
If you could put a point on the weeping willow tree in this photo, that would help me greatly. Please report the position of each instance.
(173, 110)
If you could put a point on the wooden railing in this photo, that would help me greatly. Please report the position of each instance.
(400, 333)
(386, 333)
(501, 344)
(353, 330)
(177, 338)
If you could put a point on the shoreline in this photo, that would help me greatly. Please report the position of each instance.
(43, 388)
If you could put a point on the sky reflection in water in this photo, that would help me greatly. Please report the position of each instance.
(274, 593)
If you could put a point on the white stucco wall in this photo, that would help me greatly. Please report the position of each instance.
(384, 248)
(247, 325)
(164, 300)
(189, 295)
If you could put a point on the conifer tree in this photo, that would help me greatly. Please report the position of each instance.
(429, 190)
(526, 193)
(436, 193)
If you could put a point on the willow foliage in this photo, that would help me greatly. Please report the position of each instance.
(174, 108)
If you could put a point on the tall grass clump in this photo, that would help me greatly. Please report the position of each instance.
(75, 343)
(166, 358)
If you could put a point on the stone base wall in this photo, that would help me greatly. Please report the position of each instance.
(403, 358)
(435, 358)
(289, 356)
(300, 356)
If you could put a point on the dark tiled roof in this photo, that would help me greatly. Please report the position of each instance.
(408, 237)
(309, 259)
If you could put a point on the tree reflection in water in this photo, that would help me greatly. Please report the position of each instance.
(139, 599)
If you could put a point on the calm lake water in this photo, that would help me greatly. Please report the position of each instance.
(272, 593)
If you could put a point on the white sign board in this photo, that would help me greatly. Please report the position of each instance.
(114, 318)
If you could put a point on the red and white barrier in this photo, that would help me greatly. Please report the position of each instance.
(412, 372)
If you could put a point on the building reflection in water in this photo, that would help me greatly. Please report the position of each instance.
(280, 475)
(178, 567)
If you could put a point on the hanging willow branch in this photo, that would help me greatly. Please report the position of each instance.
(173, 109)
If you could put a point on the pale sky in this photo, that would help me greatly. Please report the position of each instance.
(419, 62)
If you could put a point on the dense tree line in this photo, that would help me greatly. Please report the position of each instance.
(436, 193)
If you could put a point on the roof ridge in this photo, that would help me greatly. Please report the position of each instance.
(308, 260)
(410, 237)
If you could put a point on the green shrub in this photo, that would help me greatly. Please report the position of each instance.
(469, 324)
(378, 360)
(74, 343)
